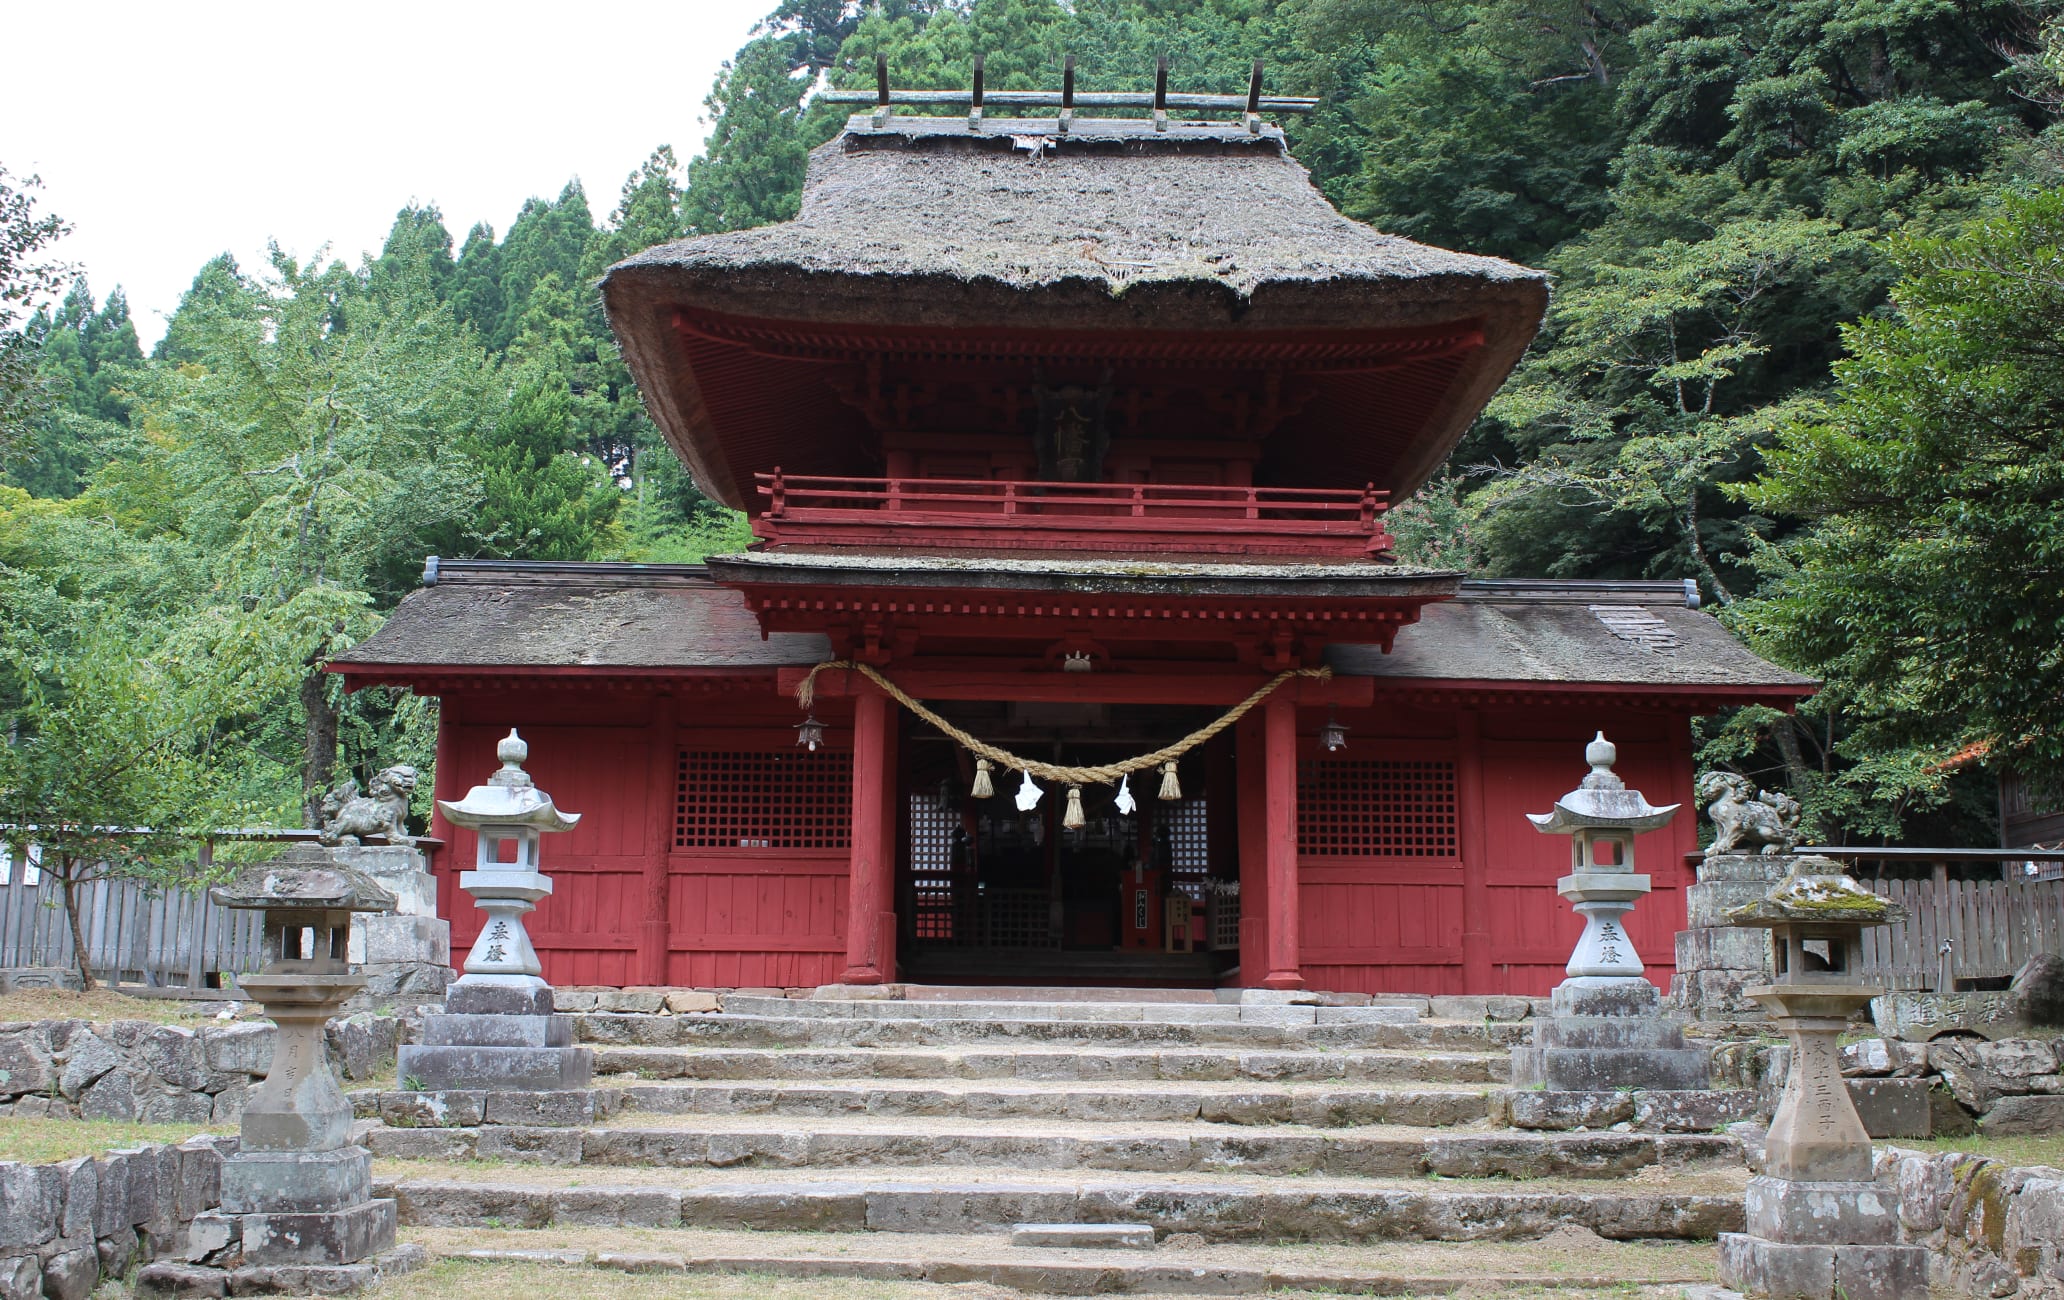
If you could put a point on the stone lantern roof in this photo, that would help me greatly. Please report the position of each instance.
(1603, 801)
(305, 878)
(509, 798)
(1817, 891)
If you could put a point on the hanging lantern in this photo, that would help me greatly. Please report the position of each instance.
(982, 787)
(1333, 736)
(810, 733)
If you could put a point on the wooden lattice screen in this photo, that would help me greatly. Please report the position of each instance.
(748, 799)
(935, 910)
(1376, 808)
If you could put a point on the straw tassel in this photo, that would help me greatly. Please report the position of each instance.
(981, 789)
(1171, 789)
(1073, 819)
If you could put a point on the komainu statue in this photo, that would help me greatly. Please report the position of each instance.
(1743, 817)
(382, 810)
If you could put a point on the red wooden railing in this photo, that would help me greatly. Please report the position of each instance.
(1009, 514)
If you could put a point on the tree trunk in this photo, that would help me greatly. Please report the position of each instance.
(318, 744)
(68, 889)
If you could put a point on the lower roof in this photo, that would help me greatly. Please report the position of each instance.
(489, 618)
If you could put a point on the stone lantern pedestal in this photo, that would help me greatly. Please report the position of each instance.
(297, 1210)
(499, 1031)
(1605, 1029)
(1818, 1225)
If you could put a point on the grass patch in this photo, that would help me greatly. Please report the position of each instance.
(40, 1141)
(456, 1279)
(103, 1005)
(2046, 1149)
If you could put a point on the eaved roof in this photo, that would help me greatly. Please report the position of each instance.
(920, 235)
(493, 618)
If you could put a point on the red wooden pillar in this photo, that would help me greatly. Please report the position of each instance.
(662, 760)
(1250, 768)
(1474, 834)
(446, 783)
(871, 885)
(1279, 725)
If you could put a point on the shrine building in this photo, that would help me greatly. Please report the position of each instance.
(1077, 434)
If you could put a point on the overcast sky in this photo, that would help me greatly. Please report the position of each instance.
(169, 132)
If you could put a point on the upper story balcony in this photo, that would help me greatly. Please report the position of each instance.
(1116, 518)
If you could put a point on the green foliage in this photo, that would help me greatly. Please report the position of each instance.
(1928, 585)
(27, 279)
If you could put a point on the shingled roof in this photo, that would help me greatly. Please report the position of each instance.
(489, 616)
(1111, 228)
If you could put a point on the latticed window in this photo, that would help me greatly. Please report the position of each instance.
(931, 870)
(747, 799)
(1376, 808)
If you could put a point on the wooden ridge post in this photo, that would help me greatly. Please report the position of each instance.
(1279, 726)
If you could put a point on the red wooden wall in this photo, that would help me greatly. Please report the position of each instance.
(1378, 912)
(1399, 922)
(734, 916)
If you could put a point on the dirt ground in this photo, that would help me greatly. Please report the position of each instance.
(103, 1005)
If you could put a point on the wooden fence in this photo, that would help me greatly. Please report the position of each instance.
(153, 935)
(1963, 930)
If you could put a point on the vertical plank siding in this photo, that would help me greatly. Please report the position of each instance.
(1992, 926)
(135, 933)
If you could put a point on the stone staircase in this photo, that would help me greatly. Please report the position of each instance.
(908, 1138)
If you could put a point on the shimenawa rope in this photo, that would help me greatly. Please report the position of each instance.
(1103, 773)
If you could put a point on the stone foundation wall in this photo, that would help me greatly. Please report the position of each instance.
(66, 1226)
(1991, 1230)
(140, 1070)
(2011, 1087)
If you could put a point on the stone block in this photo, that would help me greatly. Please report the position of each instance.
(112, 1096)
(157, 1104)
(165, 1280)
(71, 1274)
(238, 1049)
(79, 1177)
(172, 1056)
(562, 1108)
(86, 1057)
(449, 1108)
(2034, 1237)
(497, 1031)
(2018, 1116)
(1084, 1236)
(1822, 1214)
(1784, 1271)
(118, 1254)
(111, 1207)
(209, 1235)
(1604, 1069)
(400, 869)
(1765, 868)
(498, 995)
(1562, 1111)
(1722, 949)
(643, 1002)
(497, 1068)
(301, 1182)
(31, 1203)
(696, 1002)
(1635, 1033)
(537, 1146)
(382, 940)
(1694, 1110)
(1605, 996)
(21, 1277)
(341, 1237)
(26, 1064)
(1892, 1108)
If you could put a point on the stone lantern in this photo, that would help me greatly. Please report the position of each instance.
(499, 1030)
(1818, 1226)
(297, 1192)
(1605, 1029)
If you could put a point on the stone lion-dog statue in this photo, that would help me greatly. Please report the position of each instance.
(382, 810)
(1742, 816)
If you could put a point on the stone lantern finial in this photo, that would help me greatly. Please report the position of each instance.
(512, 751)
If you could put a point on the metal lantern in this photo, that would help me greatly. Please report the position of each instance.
(810, 733)
(1333, 736)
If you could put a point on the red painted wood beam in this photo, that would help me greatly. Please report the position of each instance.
(871, 883)
(661, 758)
(1279, 727)
(1087, 688)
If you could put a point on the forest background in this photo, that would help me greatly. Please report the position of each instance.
(1806, 347)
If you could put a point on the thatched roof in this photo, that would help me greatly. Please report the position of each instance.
(488, 617)
(925, 225)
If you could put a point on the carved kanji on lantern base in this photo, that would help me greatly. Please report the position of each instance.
(1606, 1029)
(499, 1031)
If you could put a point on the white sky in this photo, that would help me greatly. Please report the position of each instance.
(169, 132)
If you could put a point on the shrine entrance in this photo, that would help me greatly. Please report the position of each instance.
(1145, 892)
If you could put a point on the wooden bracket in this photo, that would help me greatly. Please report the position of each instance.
(1161, 93)
(1067, 93)
(1252, 117)
(881, 91)
(975, 98)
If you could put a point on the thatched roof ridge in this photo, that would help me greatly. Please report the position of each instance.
(1114, 211)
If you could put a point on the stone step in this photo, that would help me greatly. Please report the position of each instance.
(1568, 1260)
(734, 1030)
(1051, 1063)
(1320, 1105)
(959, 1201)
(821, 1143)
(1152, 1013)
